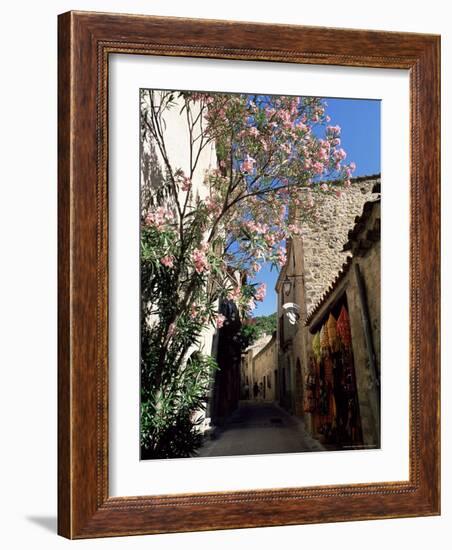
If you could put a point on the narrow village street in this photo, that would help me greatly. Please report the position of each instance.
(259, 427)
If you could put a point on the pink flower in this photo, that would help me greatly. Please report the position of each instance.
(285, 118)
(301, 126)
(234, 294)
(253, 131)
(270, 239)
(250, 305)
(286, 148)
(213, 205)
(186, 184)
(322, 153)
(200, 261)
(324, 187)
(220, 320)
(260, 293)
(256, 227)
(317, 167)
(352, 166)
(339, 155)
(167, 261)
(159, 217)
(333, 131)
(281, 256)
(247, 165)
(294, 229)
(193, 311)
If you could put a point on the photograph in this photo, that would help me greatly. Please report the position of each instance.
(260, 221)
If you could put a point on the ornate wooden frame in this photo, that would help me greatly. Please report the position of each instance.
(85, 42)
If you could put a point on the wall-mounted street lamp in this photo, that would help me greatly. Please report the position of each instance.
(290, 309)
(287, 286)
(287, 283)
(292, 312)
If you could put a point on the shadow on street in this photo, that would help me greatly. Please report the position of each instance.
(259, 427)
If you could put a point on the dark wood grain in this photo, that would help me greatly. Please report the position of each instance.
(85, 42)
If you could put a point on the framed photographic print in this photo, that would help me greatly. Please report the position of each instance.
(248, 275)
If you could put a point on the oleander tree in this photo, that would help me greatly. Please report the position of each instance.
(277, 157)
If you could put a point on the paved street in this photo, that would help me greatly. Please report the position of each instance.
(259, 427)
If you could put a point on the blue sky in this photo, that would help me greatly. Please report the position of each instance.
(360, 137)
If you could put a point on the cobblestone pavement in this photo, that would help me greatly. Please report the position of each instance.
(259, 427)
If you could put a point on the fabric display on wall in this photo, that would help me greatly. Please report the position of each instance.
(309, 404)
(330, 385)
(343, 328)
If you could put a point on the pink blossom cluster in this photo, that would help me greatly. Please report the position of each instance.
(234, 294)
(261, 292)
(220, 320)
(253, 131)
(287, 148)
(285, 118)
(193, 311)
(339, 154)
(281, 256)
(184, 182)
(294, 229)
(213, 205)
(333, 131)
(256, 227)
(250, 305)
(247, 165)
(200, 260)
(294, 106)
(318, 168)
(270, 239)
(167, 261)
(347, 170)
(159, 217)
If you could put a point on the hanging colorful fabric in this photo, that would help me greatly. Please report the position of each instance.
(316, 345)
(343, 328)
(309, 393)
(324, 339)
(332, 333)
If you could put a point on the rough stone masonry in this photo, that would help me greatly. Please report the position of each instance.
(324, 238)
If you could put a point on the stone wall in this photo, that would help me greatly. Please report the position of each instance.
(264, 365)
(324, 238)
(369, 266)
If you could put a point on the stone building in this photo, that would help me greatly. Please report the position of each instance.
(264, 370)
(248, 375)
(334, 268)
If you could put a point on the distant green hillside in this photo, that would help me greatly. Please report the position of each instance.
(257, 327)
(266, 323)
